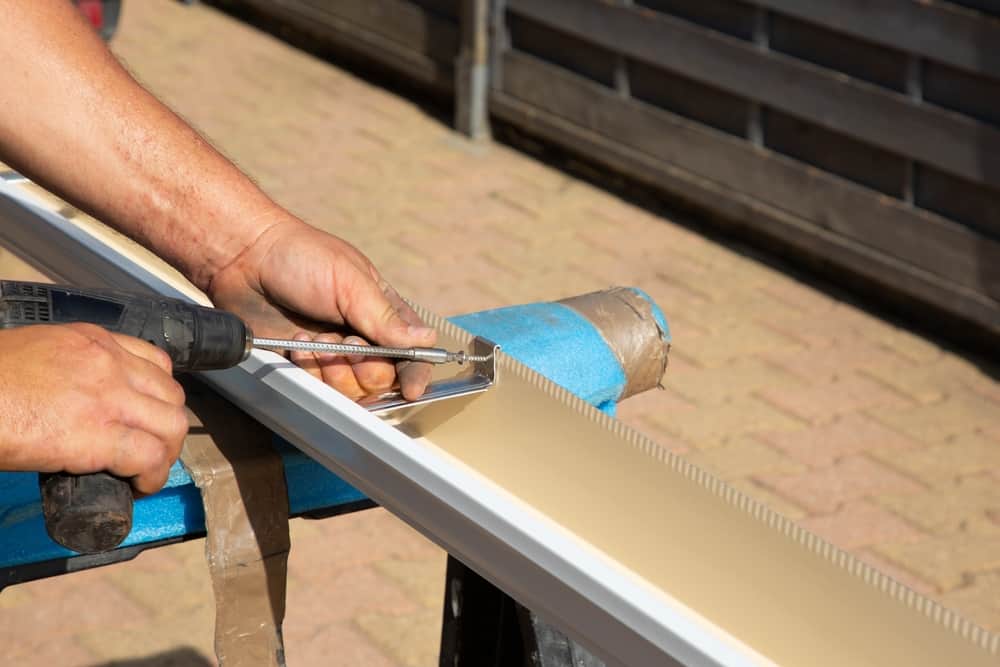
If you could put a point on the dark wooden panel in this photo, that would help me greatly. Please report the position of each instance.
(892, 122)
(835, 153)
(959, 200)
(565, 50)
(729, 16)
(931, 29)
(688, 98)
(971, 94)
(985, 6)
(406, 23)
(848, 261)
(303, 18)
(857, 58)
(445, 8)
(922, 239)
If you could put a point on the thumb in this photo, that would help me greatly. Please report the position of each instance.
(379, 314)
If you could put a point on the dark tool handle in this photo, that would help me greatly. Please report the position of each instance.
(86, 513)
(93, 513)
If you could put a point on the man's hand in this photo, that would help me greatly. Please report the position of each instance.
(295, 281)
(152, 177)
(79, 399)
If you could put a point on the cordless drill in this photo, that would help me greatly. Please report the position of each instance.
(93, 512)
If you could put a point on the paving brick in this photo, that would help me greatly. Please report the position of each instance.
(820, 446)
(930, 382)
(75, 606)
(337, 645)
(801, 297)
(635, 409)
(905, 343)
(405, 638)
(833, 360)
(340, 594)
(988, 389)
(946, 562)
(736, 313)
(359, 538)
(823, 401)
(861, 524)
(712, 386)
(192, 588)
(743, 457)
(971, 505)
(853, 478)
(709, 426)
(967, 454)
(183, 640)
(741, 340)
(979, 599)
(961, 412)
(843, 324)
(422, 580)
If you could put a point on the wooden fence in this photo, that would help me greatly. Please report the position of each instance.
(863, 135)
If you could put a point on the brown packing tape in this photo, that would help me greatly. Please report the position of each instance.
(626, 322)
(242, 485)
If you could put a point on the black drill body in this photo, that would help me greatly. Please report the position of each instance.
(93, 513)
(195, 337)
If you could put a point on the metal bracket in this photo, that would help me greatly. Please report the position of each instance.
(479, 377)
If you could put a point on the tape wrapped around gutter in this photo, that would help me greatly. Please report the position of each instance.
(626, 321)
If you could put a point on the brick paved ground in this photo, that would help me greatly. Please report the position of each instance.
(870, 435)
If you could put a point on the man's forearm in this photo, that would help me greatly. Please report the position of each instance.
(72, 119)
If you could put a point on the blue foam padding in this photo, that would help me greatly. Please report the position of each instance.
(559, 343)
(550, 338)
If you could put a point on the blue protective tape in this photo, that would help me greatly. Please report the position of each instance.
(550, 338)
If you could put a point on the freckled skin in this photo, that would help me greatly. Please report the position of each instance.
(73, 120)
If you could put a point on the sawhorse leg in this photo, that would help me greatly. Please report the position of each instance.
(485, 627)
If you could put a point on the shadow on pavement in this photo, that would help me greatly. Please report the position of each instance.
(178, 657)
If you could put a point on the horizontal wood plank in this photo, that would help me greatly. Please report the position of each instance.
(327, 28)
(922, 239)
(891, 121)
(405, 23)
(932, 30)
(744, 214)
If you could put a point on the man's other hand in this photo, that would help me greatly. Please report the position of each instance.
(79, 399)
(296, 281)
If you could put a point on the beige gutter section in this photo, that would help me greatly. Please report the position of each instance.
(783, 592)
(675, 537)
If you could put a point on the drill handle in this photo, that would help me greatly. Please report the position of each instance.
(93, 513)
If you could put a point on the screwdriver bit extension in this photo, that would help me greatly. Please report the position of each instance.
(431, 355)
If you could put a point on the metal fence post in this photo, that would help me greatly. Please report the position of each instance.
(472, 70)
